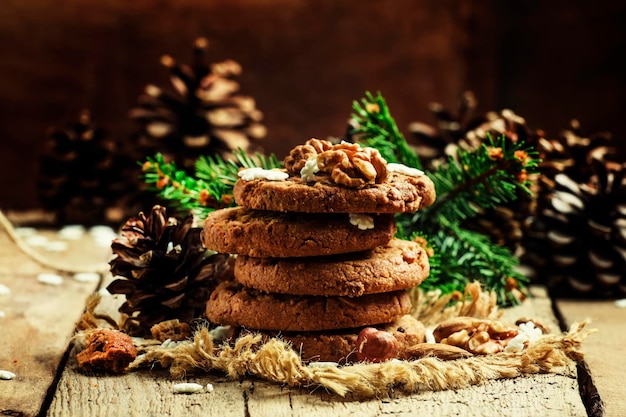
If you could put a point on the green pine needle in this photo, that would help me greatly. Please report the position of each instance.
(210, 188)
(372, 125)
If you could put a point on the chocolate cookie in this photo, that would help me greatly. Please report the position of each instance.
(273, 234)
(340, 346)
(235, 305)
(399, 193)
(398, 265)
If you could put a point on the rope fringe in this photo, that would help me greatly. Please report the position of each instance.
(275, 361)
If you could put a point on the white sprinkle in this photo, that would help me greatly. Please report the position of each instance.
(620, 303)
(56, 246)
(102, 235)
(25, 231)
(4, 290)
(170, 247)
(72, 232)
(169, 344)
(362, 221)
(430, 336)
(309, 169)
(50, 279)
(403, 169)
(187, 388)
(323, 365)
(220, 333)
(87, 277)
(517, 343)
(528, 333)
(6, 375)
(250, 174)
(533, 333)
(209, 387)
(2, 314)
(36, 241)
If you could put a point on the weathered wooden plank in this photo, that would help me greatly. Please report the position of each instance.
(38, 320)
(604, 351)
(150, 393)
(144, 394)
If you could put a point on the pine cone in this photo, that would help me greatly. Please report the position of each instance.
(571, 154)
(585, 227)
(167, 273)
(82, 174)
(203, 114)
(462, 129)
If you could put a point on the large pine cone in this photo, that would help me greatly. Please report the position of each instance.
(585, 230)
(203, 115)
(167, 273)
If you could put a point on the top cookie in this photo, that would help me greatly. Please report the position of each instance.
(398, 194)
(321, 177)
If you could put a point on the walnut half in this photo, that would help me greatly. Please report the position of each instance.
(348, 164)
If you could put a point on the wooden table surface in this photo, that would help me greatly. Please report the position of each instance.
(38, 321)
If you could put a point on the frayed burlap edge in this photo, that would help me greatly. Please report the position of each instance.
(277, 362)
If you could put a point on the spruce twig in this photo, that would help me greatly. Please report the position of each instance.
(372, 125)
(211, 186)
(481, 178)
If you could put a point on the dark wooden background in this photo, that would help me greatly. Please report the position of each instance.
(305, 62)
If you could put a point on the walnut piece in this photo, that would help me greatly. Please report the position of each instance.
(107, 350)
(348, 164)
(298, 156)
(352, 166)
(478, 336)
(373, 345)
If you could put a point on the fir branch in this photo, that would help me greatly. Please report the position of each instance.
(464, 256)
(372, 125)
(215, 169)
(210, 188)
(492, 174)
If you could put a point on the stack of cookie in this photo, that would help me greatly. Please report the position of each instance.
(316, 260)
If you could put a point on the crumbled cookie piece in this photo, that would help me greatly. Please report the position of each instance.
(107, 350)
(173, 330)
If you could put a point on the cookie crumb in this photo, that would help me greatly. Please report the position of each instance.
(107, 350)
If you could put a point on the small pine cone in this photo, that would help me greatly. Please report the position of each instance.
(203, 115)
(585, 229)
(165, 271)
(82, 173)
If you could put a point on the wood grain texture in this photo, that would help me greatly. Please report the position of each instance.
(150, 393)
(38, 322)
(604, 351)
